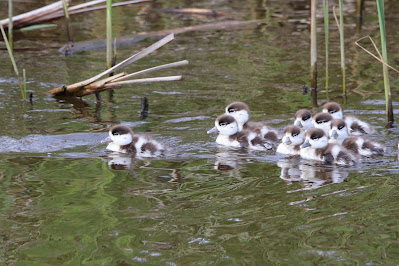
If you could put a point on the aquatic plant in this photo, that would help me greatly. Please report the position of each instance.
(313, 54)
(340, 24)
(326, 34)
(109, 33)
(10, 26)
(67, 20)
(388, 99)
(22, 87)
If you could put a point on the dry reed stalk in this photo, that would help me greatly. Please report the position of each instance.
(313, 54)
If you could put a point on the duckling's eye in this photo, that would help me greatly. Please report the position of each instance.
(295, 134)
(340, 127)
(305, 118)
(116, 134)
(319, 122)
(222, 124)
(314, 138)
(231, 111)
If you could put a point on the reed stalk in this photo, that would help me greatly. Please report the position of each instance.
(10, 26)
(67, 20)
(342, 45)
(388, 99)
(313, 54)
(12, 60)
(109, 34)
(326, 35)
(24, 80)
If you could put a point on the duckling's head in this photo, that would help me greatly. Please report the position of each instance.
(315, 138)
(334, 109)
(292, 136)
(240, 111)
(323, 121)
(338, 129)
(226, 125)
(121, 135)
(303, 119)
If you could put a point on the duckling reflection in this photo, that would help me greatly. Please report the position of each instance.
(228, 161)
(290, 172)
(314, 176)
(311, 176)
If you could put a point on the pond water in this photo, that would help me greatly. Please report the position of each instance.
(65, 200)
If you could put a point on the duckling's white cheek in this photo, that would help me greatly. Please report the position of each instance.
(123, 139)
(241, 116)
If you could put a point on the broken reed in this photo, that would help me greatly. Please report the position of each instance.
(326, 34)
(313, 54)
(109, 33)
(388, 99)
(22, 87)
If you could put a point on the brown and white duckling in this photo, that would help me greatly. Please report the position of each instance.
(322, 121)
(241, 113)
(229, 135)
(355, 125)
(354, 144)
(303, 119)
(316, 147)
(292, 140)
(123, 140)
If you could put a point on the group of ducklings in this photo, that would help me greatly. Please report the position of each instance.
(327, 136)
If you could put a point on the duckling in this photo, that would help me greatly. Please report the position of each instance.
(303, 119)
(355, 125)
(241, 113)
(229, 135)
(354, 144)
(322, 121)
(125, 141)
(316, 147)
(292, 140)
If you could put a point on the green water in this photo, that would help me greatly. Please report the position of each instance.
(64, 201)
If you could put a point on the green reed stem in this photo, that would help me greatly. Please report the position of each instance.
(341, 38)
(109, 33)
(326, 34)
(388, 99)
(10, 26)
(313, 54)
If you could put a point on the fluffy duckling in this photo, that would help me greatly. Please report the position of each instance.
(292, 140)
(316, 147)
(354, 144)
(241, 113)
(303, 119)
(322, 121)
(355, 125)
(229, 135)
(123, 140)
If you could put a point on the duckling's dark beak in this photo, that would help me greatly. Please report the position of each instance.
(288, 141)
(299, 124)
(213, 130)
(305, 144)
(108, 139)
(334, 134)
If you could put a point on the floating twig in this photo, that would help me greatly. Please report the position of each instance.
(93, 85)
